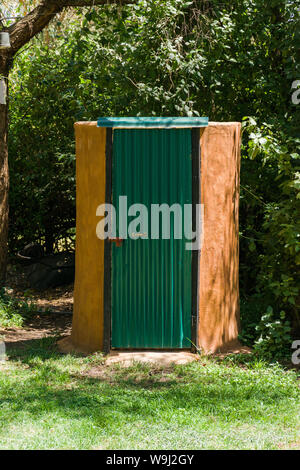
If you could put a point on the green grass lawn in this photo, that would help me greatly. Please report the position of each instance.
(49, 401)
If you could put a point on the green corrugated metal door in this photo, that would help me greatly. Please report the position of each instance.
(151, 278)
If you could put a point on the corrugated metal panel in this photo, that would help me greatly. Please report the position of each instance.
(145, 122)
(151, 279)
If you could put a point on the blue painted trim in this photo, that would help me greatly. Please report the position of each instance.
(143, 122)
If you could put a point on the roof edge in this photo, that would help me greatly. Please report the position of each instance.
(152, 122)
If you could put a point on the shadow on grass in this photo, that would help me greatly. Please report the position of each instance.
(40, 348)
(122, 395)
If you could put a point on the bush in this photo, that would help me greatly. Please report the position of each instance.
(275, 339)
(13, 312)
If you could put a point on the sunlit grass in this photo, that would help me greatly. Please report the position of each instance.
(49, 401)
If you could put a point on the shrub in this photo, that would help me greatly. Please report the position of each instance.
(274, 340)
(13, 312)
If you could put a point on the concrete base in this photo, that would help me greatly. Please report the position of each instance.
(162, 358)
(126, 358)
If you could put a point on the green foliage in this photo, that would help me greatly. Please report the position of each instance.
(42, 161)
(222, 60)
(251, 310)
(13, 311)
(274, 336)
(275, 248)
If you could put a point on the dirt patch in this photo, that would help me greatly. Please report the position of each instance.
(41, 326)
(54, 316)
(59, 299)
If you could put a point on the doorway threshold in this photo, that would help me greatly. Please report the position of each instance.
(160, 357)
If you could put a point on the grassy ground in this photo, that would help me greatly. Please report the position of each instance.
(50, 401)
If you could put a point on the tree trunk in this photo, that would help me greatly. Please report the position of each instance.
(4, 173)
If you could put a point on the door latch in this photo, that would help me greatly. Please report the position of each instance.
(118, 241)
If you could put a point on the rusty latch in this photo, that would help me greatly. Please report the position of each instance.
(118, 241)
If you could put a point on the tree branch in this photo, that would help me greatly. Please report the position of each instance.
(26, 28)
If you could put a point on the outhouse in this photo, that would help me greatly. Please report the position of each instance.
(143, 286)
